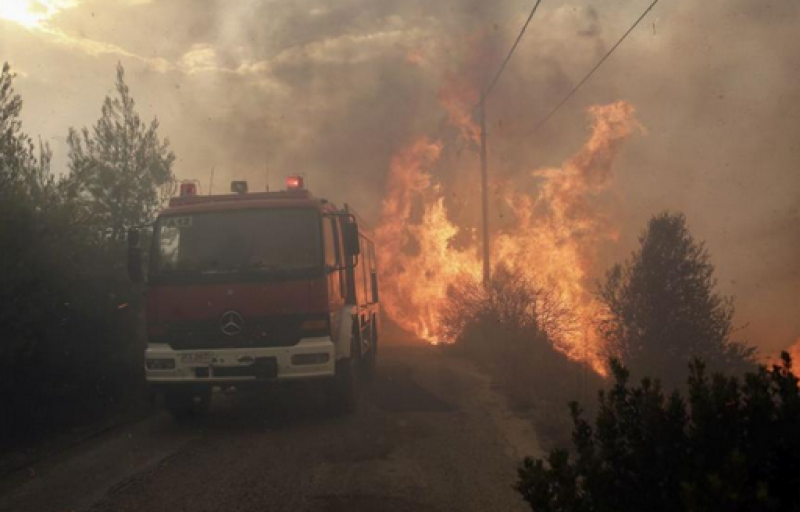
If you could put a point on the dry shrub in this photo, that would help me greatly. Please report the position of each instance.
(512, 328)
(512, 303)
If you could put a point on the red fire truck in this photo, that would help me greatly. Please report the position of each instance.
(248, 288)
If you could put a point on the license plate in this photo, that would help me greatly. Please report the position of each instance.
(197, 358)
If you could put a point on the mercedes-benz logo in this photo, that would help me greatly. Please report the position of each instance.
(231, 323)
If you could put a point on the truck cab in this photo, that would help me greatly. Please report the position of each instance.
(248, 288)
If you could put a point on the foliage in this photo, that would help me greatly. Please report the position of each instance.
(662, 307)
(22, 171)
(512, 302)
(512, 328)
(120, 166)
(67, 313)
(732, 446)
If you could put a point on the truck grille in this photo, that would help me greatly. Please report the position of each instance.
(278, 331)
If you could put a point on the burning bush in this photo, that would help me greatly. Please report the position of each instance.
(513, 309)
(734, 447)
(550, 226)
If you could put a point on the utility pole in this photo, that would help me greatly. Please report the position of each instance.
(487, 268)
(487, 264)
(211, 183)
(266, 173)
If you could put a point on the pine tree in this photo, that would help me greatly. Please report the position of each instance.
(663, 310)
(119, 166)
(23, 172)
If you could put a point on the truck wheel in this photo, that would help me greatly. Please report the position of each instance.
(344, 390)
(187, 403)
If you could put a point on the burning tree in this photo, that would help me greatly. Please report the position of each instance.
(662, 307)
(552, 239)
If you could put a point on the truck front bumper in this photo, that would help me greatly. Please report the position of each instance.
(310, 358)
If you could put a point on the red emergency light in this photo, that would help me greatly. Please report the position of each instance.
(295, 183)
(188, 189)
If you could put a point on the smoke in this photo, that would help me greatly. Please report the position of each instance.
(334, 90)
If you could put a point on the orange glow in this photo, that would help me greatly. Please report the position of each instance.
(416, 260)
(794, 351)
(554, 239)
(295, 182)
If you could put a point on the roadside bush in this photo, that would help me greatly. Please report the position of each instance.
(512, 329)
(512, 303)
(69, 350)
(733, 445)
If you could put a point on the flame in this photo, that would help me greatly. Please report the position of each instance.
(417, 261)
(554, 239)
(458, 98)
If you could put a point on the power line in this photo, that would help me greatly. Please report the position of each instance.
(481, 107)
(590, 73)
(510, 53)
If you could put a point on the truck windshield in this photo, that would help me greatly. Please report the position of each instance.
(268, 242)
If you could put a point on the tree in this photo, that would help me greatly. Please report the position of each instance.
(66, 347)
(21, 170)
(732, 446)
(119, 166)
(662, 307)
(20, 174)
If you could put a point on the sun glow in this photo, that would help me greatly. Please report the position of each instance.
(33, 14)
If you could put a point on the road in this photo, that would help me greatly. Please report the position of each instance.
(430, 435)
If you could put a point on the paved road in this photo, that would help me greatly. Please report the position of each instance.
(430, 435)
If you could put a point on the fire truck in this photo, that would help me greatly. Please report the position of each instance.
(253, 288)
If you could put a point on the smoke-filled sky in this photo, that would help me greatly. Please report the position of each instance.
(257, 89)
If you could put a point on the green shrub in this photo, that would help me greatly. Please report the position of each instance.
(733, 445)
(69, 350)
(663, 309)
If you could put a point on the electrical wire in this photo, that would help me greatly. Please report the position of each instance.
(591, 72)
(488, 90)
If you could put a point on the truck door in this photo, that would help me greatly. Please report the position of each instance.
(333, 259)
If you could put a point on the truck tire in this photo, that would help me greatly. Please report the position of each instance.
(187, 403)
(343, 392)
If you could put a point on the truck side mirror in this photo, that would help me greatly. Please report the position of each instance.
(352, 242)
(135, 272)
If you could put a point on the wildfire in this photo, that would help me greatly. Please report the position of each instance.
(554, 237)
(416, 259)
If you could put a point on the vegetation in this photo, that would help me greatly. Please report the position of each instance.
(731, 446)
(663, 310)
(511, 329)
(120, 166)
(69, 350)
